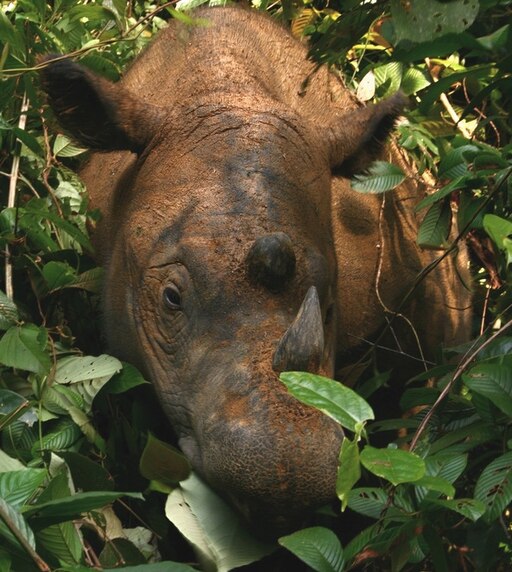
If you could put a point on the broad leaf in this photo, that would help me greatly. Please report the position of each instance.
(394, 465)
(435, 227)
(318, 547)
(12, 407)
(17, 487)
(349, 470)
(212, 527)
(340, 403)
(371, 501)
(11, 520)
(381, 177)
(161, 462)
(470, 508)
(424, 20)
(24, 347)
(494, 486)
(494, 381)
(500, 230)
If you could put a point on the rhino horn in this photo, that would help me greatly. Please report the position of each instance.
(302, 346)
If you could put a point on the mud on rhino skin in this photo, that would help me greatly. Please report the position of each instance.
(234, 248)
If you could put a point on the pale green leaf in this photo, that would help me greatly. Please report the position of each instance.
(164, 463)
(470, 508)
(17, 487)
(212, 527)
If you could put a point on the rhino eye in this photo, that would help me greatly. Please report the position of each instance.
(172, 298)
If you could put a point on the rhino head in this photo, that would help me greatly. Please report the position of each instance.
(220, 270)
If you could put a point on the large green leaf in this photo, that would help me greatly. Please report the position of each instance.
(395, 465)
(12, 407)
(212, 527)
(69, 508)
(500, 230)
(17, 487)
(349, 470)
(318, 547)
(340, 403)
(494, 486)
(24, 347)
(9, 314)
(435, 227)
(13, 525)
(381, 177)
(424, 20)
(86, 375)
(470, 508)
(371, 501)
(494, 381)
(162, 462)
(166, 566)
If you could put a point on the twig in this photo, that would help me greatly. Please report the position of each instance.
(39, 562)
(448, 106)
(460, 370)
(12, 196)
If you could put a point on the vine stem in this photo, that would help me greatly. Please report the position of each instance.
(39, 562)
(13, 180)
(460, 370)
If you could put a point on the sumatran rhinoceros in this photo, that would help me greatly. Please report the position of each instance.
(235, 249)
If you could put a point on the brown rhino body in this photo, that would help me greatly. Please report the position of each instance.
(220, 212)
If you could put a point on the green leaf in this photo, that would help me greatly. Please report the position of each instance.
(8, 464)
(414, 80)
(349, 470)
(493, 381)
(438, 484)
(456, 184)
(500, 230)
(17, 487)
(9, 314)
(381, 177)
(318, 547)
(162, 462)
(11, 519)
(423, 20)
(86, 375)
(65, 434)
(24, 347)
(470, 508)
(388, 77)
(454, 164)
(166, 566)
(372, 501)
(394, 465)
(340, 403)
(64, 147)
(69, 508)
(87, 475)
(435, 227)
(212, 527)
(12, 407)
(125, 380)
(494, 486)
(58, 275)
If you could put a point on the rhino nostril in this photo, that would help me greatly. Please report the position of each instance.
(271, 261)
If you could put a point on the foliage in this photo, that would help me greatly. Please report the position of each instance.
(73, 427)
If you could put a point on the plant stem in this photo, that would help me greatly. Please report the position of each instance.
(12, 196)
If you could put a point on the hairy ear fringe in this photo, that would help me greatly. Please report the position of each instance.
(97, 113)
(360, 136)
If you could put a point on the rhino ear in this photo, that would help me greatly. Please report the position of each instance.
(97, 113)
(359, 136)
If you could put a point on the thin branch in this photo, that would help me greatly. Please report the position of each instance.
(448, 106)
(13, 180)
(460, 370)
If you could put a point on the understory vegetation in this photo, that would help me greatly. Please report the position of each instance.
(88, 476)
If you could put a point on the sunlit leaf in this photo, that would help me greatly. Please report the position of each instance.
(24, 347)
(349, 470)
(331, 397)
(381, 177)
(394, 465)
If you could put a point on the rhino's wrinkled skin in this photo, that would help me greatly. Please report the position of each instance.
(220, 213)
